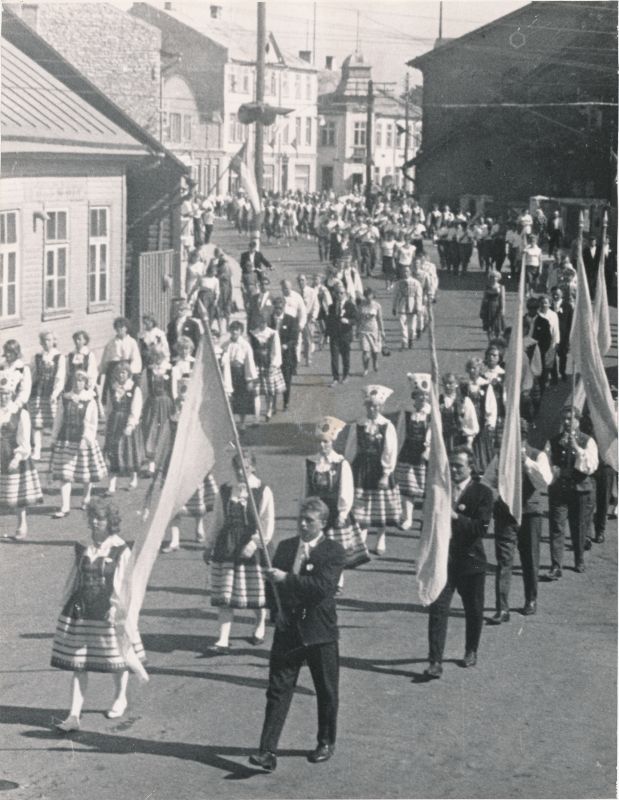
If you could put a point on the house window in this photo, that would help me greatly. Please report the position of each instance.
(186, 127)
(379, 134)
(274, 84)
(284, 84)
(285, 133)
(359, 134)
(9, 265)
(98, 256)
(297, 131)
(327, 134)
(389, 135)
(232, 81)
(175, 127)
(56, 262)
(297, 87)
(236, 129)
(308, 130)
(308, 87)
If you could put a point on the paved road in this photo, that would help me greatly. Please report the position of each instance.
(535, 718)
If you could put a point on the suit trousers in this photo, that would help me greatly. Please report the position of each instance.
(605, 480)
(323, 663)
(408, 328)
(568, 508)
(340, 348)
(289, 368)
(470, 587)
(307, 335)
(527, 536)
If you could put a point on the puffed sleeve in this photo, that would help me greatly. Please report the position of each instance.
(470, 423)
(136, 408)
(539, 471)
(119, 577)
(60, 377)
(22, 451)
(390, 450)
(92, 371)
(251, 373)
(266, 512)
(91, 420)
(490, 407)
(587, 457)
(135, 359)
(350, 451)
(276, 350)
(225, 371)
(25, 387)
(347, 490)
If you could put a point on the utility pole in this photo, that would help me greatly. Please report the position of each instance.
(260, 65)
(369, 135)
(406, 94)
(440, 20)
(314, 39)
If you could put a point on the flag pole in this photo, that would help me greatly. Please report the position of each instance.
(208, 342)
(432, 342)
(581, 227)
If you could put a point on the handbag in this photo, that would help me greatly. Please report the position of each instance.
(386, 351)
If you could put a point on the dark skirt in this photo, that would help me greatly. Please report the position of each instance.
(483, 449)
(156, 425)
(389, 268)
(242, 397)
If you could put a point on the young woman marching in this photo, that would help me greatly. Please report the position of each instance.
(48, 378)
(76, 455)
(372, 449)
(159, 408)
(493, 306)
(481, 394)
(87, 638)
(410, 472)
(13, 363)
(459, 420)
(19, 481)
(81, 358)
(152, 339)
(328, 475)
(239, 373)
(371, 330)
(268, 359)
(234, 550)
(124, 446)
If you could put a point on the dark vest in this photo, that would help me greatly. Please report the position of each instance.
(239, 525)
(326, 485)
(570, 479)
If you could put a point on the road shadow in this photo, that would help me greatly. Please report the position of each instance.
(219, 757)
(40, 542)
(178, 590)
(389, 666)
(296, 438)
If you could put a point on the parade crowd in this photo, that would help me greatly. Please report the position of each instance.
(114, 419)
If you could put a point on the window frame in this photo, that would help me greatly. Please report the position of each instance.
(175, 116)
(309, 130)
(6, 248)
(56, 246)
(99, 304)
(187, 127)
(389, 134)
(360, 132)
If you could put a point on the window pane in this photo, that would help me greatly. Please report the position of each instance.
(92, 258)
(2, 228)
(11, 232)
(12, 267)
(102, 286)
(103, 222)
(1, 268)
(61, 233)
(50, 262)
(92, 287)
(49, 294)
(2, 310)
(62, 293)
(94, 219)
(50, 232)
(11, 300)
(62, 261)
(103, 257)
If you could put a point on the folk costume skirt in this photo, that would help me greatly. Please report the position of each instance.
(21, 488)
(378, 508)
(238, 584)
(42, 412)
(351, 538)
(76, 464)
(411, 478)
(89, 645)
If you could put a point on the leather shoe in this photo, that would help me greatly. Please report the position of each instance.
(530, 608)
(256, 640)
(470, 659)
(580, 567)
(599, 538)
(265, 760)
(499, 617)
(554, 574)
(322, 753)
(588, 544)
(434, 670)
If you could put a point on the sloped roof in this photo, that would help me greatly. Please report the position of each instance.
(39, 112)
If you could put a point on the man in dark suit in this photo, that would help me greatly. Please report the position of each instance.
(591, 257)
(466, 568)
(184, 324)
(306, 570)
(288, 328)
(340, 321)
(253, 265)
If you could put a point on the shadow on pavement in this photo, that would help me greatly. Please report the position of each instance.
(177, 590)
(209, 755)
(218, 677)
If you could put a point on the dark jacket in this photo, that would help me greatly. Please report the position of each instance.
(308, 599)
(260, 262)
(191, 328)
(288, 336)
(466, 548)
(340, 325)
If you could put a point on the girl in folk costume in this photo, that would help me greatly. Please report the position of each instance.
(458, 415)
(268, 359)
(81, 359)
(159, 408)
(372, 449)
(12, 363)
(239, 373)
(152, 338)
(495, 375)
(328, 475)
(483, 398)
(371, 330)
(88, 636)
(48, 376)
(121, 348)
(19, 481)
(76, 455)
(410, 471)
(124, 446)
(493, 306)
(234, 549)
(203, 499)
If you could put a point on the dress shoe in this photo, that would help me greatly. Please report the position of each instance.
(255, 640)
(554, 574)
(470, 659)
(530, 608)
(60, 514)
(220, 649)
(69, 724)
(588, 544)
(322, 753)
(435, 670)
(600, 538)
(170, 548)
(580, 567)
(265, 760)
(499, 617)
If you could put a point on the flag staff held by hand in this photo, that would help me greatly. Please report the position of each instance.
(208, 342)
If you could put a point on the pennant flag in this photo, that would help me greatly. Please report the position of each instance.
(293, 143)
(247, 178)
(601, 317)
(436, 526)
(588, 362)
(203, 436)
(510, 463)
(400, 128)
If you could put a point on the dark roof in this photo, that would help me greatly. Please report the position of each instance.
(28, 42)
(445, 47)
(38, 110)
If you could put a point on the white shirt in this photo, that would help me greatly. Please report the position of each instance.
(295, 306)
(125, 349)
(304, 552)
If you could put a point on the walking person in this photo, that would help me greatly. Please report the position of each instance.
(371, 330)
(287, 327)
(240, 373)
(312, 308)
(159, 407)
(123, 446)
(458, 416)
(481, 394)
(407, 302)
(492, 312)
(122, 347)
(412, 464)
(340, 321)
(48, 378)
(267, 349)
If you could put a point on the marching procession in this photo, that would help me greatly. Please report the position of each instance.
(66, 417)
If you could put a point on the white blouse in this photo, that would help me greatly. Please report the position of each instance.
(390, 449)
(239, 352)
(91, 418)
(239, 493)
(22, 451)
(347, 487)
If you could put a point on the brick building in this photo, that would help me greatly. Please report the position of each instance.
(523, 106)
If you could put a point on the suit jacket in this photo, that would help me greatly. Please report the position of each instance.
(191, 327)
(288, 335)
(308, 599)
(340, 325)
(466, 547)
(260, 262)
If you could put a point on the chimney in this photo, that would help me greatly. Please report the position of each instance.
(305, 55)
(167, 6)
(29, 14)
(216, 12)
(329, 62)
